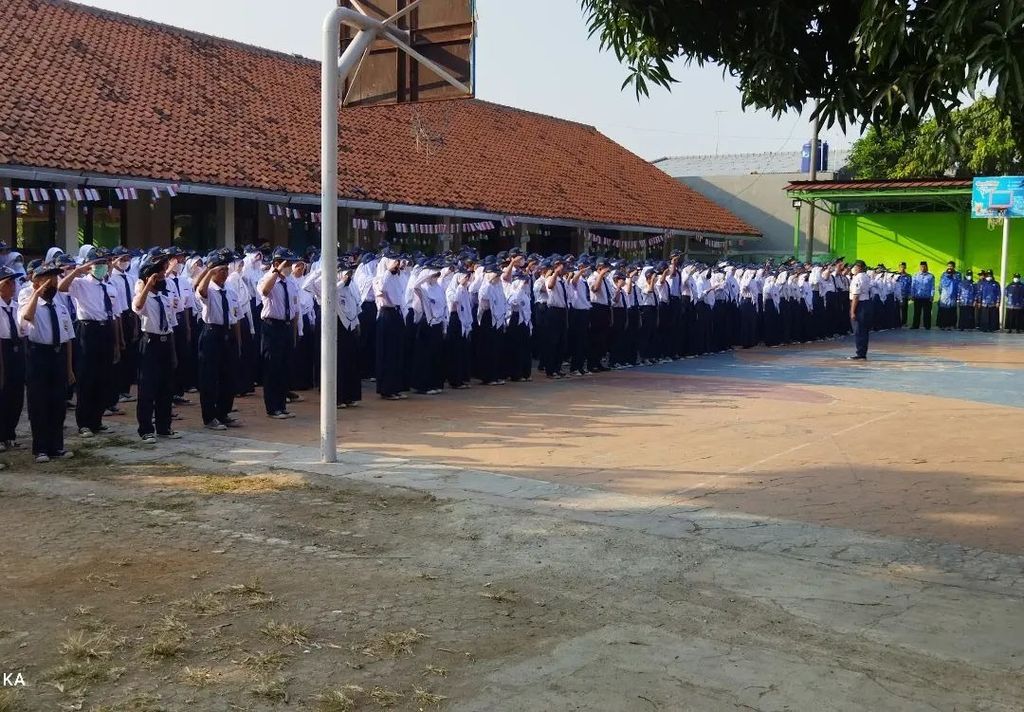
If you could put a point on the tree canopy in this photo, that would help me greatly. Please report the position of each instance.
(890, 63)
(974, 140)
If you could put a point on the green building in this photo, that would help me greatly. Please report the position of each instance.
(888, 222)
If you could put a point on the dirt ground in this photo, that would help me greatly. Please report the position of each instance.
(136, 588)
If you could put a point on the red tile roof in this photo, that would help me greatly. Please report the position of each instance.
(93, 91)
(921, 183)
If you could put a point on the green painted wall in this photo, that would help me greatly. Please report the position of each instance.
(891, 238)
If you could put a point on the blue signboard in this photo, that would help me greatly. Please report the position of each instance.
(997, 197)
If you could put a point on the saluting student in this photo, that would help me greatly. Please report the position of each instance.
(98, 341)
(124, 286)
(280, 295)
(47, 323)
(389, 293)
(12, 361)
(219, 341)
(350, 386)
(157, 349)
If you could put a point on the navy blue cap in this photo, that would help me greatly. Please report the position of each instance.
(7, 273)
(492, 269)
(46, 269)
(283, 253)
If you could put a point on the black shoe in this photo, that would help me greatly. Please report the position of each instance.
(178, 400)
(856, 358)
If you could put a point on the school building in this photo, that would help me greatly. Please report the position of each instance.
(893, 221)
(117, 130)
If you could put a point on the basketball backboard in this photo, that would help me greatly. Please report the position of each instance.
(443, 31)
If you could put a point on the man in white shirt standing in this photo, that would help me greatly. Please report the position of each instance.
(860, 309)
(12, 361)
(280, 295)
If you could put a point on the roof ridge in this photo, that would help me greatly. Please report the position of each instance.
(478, 100)
(121, 17)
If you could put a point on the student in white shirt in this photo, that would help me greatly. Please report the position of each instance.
(47, 324)
(12, 361)
(154, 306)
(219, 341)
(860, 309)
(280, 295)
(98, 341)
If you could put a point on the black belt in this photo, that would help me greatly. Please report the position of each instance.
(96, 322)
(163, 338)
(387, 307)
(217, 326)
(277, 321)
(45, 347)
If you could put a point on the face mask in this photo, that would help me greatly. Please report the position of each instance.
(988, 279)
(99, 271)
(1016, 280)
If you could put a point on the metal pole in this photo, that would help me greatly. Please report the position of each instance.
(331, 74)
(329, 81)
(1003, 281)
(815, 129)
(796, 236)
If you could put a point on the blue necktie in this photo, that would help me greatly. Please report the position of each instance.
(127, 290)
(10, 320)
(107, 304)
(163, 314)
(287, 302)
(224, 305)
(54, 324)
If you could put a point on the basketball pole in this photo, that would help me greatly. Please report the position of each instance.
(331, 77)
(1003, 267)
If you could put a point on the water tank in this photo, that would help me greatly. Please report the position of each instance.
(805, 157)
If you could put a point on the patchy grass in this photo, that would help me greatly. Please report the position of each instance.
(82, 646)
(425, 698)
(287, 633)
(246, 484)
(272, 689)
(262, 662)
(343, 700)
(391, 645)
(9, 702)
(135, 703)
(252, 594)
(385, 697)
(438, 671)
(206, 604)
(170, 637)
(197, 676)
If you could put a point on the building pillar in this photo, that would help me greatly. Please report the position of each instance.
(6, 217)
(67, 227)
(347, 238)
(524, 237)
(445, 238)
(226, 222)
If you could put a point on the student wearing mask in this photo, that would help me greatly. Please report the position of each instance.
(182, 299)
(98, 338)
(349, 305)
(948, 285)
(123, 283)
(989, 294)
(966, 299)
(1014, 296)
(47, 323)
(922, 291)
(280, 310)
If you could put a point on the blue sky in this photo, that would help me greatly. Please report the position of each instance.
(533, 54)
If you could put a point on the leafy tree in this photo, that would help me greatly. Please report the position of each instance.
(975, 140)
(889, 63)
